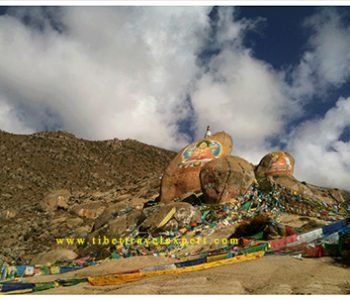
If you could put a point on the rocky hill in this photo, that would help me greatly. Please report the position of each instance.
(32, 166)
(54, 185)
(55, 188)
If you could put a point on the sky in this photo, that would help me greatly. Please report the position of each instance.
(272, 77)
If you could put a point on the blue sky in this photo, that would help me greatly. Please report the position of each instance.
(272, 77)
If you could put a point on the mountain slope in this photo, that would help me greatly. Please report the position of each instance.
(98, 172)
(31, 165)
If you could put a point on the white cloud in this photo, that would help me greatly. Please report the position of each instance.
(326, 63)
(9, 119)
(240, 94)
(230, 31)
(244, 97)
(114, 72)
(321, 158)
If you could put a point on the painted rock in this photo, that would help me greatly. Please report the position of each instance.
(182, 174)
(172, 216)
(226, 178)
(276, 163)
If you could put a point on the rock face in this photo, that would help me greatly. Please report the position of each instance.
(224, 179)
(276, 163)
(55, 200)
(182, 174)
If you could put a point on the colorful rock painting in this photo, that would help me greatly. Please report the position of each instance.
(197, 154)
(279, 163)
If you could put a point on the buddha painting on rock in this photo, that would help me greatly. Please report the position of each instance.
(279, 164)
(198, 153)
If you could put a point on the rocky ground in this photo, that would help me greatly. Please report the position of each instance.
(88, 175)
(55, 185)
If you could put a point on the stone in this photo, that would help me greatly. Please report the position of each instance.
(266, 184)
(62, 202)
(137, 203)
(90, 210)
(55, 200)
(8, 214)
(74, 222)
(82, 231)
(181, 177)
(151, 210)
(125, 224)
(87, 213)
(58, 220)
(172, 225)
(292, 184)
(110, 213)
(225, 179)
(296, 187)
(185, 214)
(337, 195)
(54, 255)
(123, 197)
(276, 163)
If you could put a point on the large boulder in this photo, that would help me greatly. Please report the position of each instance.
(276, 163)
(181, 177)
(224, 179)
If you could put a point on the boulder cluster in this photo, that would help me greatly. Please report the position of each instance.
(207, 166)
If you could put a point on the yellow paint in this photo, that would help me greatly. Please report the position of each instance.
(167, 217)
